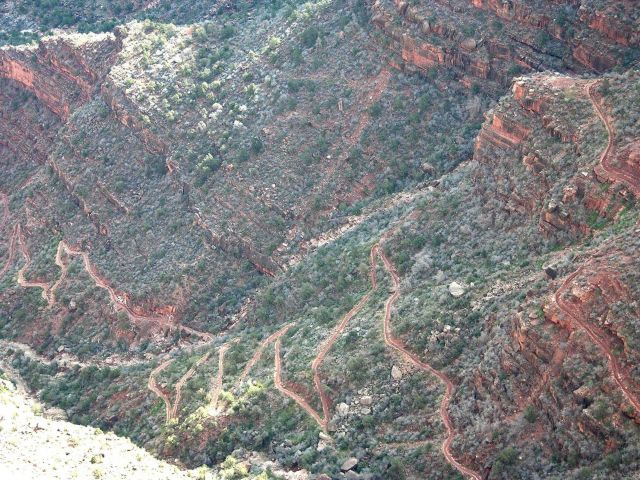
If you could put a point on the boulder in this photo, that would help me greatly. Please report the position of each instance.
(428, 169)
(469, 44)
(396, 373)
(551, 272)
(348, 464)
(456, 289)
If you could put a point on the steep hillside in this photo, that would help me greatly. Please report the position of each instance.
(34, 445)
(197, 193)
(363, 240)
(484, 42)
(37, 443)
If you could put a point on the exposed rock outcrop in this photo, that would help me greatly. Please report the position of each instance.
(62, 72)
(516, 35)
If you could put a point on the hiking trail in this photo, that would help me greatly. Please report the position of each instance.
(620, 377)
(632, 179)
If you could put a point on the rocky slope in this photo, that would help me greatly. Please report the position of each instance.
(491, 41)
(37, 446)
(339, 234)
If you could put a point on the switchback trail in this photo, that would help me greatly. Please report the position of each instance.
(22, 281)
(391, 341)
(379, 85)
(323, 421)
(258, 353)
(118, 300)
(412, 359)
(606, 160)
(171, 410)
(12, 250)
(184, 379)
(324, 400)
(216, 385)
(619, 375)
(277, 379)
(153, 386)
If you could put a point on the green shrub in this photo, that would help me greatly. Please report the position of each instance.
(310, 37)
(530, 414)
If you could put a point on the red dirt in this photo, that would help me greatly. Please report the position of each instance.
(323, 421)
(620, 375)
(184, 379)
(379, 85)
(119, 300)
(153, 386)
(171, 411)
(558, 358)
(277, 379)
(216, 385)
(22, 281)
(411, 358)
(258, 353)
(390, 341)
(12, 251)
(324, 400)
(630, 177)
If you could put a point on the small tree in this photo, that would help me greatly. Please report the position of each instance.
(530, 414)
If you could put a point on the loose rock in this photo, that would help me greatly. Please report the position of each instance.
(349, 464)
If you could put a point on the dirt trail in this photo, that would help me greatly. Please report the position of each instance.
(171, 410)
(324, 400)
(184, 379)
(119, 303)
(606, 158)
(379, 85)
(323, 421)
(5, 209)
(216, 385)
(258, 353)
(119, 300)
(620, 376)
(391, 341)
(277, 379)
(22, 281)
(412, 359)
(153, 386)
(12, 251)
(63, 272)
